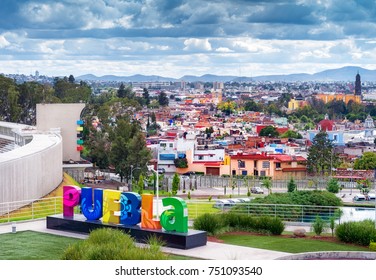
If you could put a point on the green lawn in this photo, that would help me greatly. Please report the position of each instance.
(200, 208)
(288, 245)
(30, 245)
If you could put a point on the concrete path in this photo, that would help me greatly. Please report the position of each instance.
(212, 251)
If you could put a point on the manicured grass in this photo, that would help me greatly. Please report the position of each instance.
(288, 245)
(30, 245)
(198, 209)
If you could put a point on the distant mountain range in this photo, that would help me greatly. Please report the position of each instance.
(341, 74)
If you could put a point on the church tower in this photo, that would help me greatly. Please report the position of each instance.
(369, 127)
(358, 85)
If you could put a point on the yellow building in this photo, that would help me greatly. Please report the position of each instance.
(295, 104)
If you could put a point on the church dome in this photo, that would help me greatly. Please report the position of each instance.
(326, 125)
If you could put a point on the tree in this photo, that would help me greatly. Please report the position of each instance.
(146, 96)
(140, 184)
(333, 186)
(291, 186)
(181, 162)
(227, 107)
(321, 157)
(175, 184)
(267, 184)
(98, 147)
(71, 79)
(251, 105)
(121, 91)
(163, 99)
(128, 147)
(10, 110)
(291, 134)
(270, 131)
(69, 92)
(366, 162)
(125, 92)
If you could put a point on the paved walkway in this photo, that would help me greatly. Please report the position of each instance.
(212, 251)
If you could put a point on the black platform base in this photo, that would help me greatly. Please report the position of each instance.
(192, 239)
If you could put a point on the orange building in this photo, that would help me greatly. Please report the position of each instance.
(340, 96)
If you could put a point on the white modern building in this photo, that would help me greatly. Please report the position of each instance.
(30, 162)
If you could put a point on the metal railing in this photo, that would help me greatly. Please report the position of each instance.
(30, 209)
(287, 212)
(35, 209)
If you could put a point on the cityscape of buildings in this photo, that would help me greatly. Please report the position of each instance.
(234, 145)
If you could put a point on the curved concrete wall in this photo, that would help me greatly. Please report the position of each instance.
(33, 170)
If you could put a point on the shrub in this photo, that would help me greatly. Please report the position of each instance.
(291, 186)
(361, 233)
(244, 222)
(372, 246)
(210, 223)
(111, 244)
(273, 225)
(333, 186)
(332, 224)
(175, 184)
(181, 162)
(319, 225)
(319, 198)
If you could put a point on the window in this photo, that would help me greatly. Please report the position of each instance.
(335, 138)
(262, 173)
(241, 164)
(265, 164)
(171, 145)
(200, 157)
(277, 165)
(244, 172)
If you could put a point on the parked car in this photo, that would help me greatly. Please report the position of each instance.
(245, 199)
(234, 200)
(161, 170)
(189, 173)
(257, 190)
(371, 196)
(223, 204)
(359, 197)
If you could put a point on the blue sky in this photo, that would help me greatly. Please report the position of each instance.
(173, 38)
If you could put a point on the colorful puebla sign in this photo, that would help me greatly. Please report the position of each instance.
(127, 208)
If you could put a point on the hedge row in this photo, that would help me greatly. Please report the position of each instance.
(215, 223)
(361, 233)
(319, 198)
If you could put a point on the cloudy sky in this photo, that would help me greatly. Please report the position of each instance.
(185, 37)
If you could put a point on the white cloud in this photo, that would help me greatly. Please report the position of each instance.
(253, 46)
(197, 44)
(3, 42)
(223, 50)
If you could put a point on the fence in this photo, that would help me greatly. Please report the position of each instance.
(30, 209)
(227, 183)
(292, 213)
